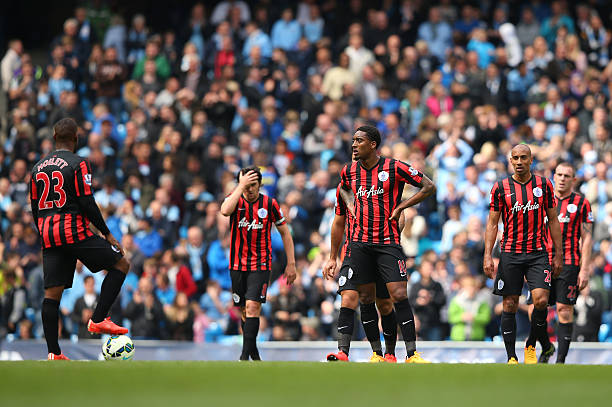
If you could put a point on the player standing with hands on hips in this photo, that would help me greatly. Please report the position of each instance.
(252, 215)
(524, 200)
(63, 207)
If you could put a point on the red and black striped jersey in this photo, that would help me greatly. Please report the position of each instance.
(58, 182)
(523, 212)
(251, 229)
(342, 210)
(378, 191)
(573, 210)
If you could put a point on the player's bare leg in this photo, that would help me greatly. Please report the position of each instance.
(252, 311)
(389, 326)
(111, 286)
(508, 325)
(346, 325)
(538, 324)
(50, 319)
(398, 290)
(565, 313)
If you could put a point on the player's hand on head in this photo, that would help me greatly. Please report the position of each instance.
(247, 179)
(290, 273)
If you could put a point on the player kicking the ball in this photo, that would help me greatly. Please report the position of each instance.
(63, 206)
(251, 218)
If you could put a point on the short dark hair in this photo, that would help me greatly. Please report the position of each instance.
(246, 170)
(65, 130)
(567, 164)
(372, 133)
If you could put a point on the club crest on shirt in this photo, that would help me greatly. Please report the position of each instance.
(383, 176)
(413, 171)
(571, 208)
(262, 213)
(537, 192)
(590, 217)
(87, 179)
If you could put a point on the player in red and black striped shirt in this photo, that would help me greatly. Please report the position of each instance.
(523, 201)
(63, 206)
(576, 219)
(378, 184)
(252, 215)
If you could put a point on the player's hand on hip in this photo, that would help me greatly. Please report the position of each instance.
(396, 215)
(113, 242)
(290, 273)
(329, 269)
(583, 279)
(489, 267)
(557, 265)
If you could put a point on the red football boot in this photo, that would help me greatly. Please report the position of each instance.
(106, 327)
(53, 356)
(390, 358)
(337, 357)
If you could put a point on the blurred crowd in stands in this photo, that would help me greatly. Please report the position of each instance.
(168, 115)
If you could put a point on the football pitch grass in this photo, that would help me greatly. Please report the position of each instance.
(292, 384)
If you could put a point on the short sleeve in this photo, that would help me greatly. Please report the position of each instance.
(277, 214)
(340, 208)
(33, 189)
(82, 179)
(587, 213)
(496, 201)
(344, 179)
(550, 196)
(407, 173)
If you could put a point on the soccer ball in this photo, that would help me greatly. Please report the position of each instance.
(118, 347)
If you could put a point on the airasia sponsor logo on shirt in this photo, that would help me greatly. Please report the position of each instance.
(525, 208)
(369, 192)
(243, 223)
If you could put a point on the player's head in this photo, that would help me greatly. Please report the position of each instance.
(65, 134)
(365, 142)
(521, 159)
(565, 176)
(252, 190)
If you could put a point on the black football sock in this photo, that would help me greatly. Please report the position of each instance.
(346, 324)
(405, 317)
(389, 326)
(538, 326)
(508, 328)
(369, 320)
(543, 334)
(251, 329)
(564, 337)
(50, 319)
(108, 294)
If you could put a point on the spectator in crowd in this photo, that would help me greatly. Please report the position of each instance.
(468, 312)
(146, 312)
(84, 307)
(428, 298)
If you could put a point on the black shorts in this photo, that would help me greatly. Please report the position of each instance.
(59, 263)
(345, 281)
(249, 285)
(564, 289)
(514, 268)
(371, 263)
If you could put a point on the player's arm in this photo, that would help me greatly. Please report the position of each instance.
(587, 246)
(229, 205)
(337, 231)
(490, 237)
(349, 200)
(34, 201)
(427, 188)
(555, 233)
(402, 222)
(290, 270)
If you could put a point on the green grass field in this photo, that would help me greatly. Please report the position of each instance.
(292, 384)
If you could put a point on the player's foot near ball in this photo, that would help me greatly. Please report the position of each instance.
(416, 358)
(390, 358)
(530, 356)
(376, 358)
(106, 327)
(53, 356)
(547, 354)
(337, 357)
(513, 361)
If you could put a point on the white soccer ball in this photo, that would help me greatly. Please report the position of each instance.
(118, 347)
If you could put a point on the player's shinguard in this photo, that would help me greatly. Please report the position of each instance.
(252, 216)
(523, 201)
(61, 198)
